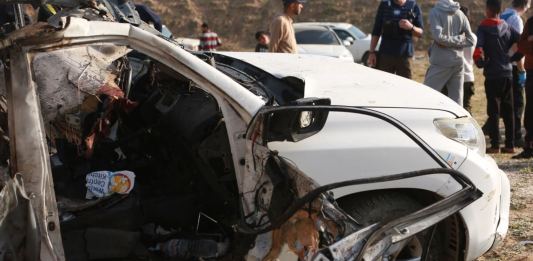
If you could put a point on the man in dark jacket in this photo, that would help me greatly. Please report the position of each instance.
(526, 47)
(397, 21)
(495, 39)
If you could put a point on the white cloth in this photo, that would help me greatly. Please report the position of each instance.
(469, 62)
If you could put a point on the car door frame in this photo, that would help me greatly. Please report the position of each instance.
(30, 155)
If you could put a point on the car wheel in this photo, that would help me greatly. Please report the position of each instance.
(373, 207)
(364, 60)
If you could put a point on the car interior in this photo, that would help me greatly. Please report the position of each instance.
(154, 123)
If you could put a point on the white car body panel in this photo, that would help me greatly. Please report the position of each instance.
(335, 51)
(415, 105)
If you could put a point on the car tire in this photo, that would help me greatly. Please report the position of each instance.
(384, 206)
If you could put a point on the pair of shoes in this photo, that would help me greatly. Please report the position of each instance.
(508, 151)
(493, 150)
(526, 154)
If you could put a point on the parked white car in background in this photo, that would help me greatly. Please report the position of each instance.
(320, 40)
(355, 39)
(190, 44)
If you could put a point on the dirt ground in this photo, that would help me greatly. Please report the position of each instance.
(518, 245)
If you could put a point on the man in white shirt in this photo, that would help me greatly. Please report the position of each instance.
(512, 16)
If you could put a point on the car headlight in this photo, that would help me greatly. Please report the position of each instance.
(464, 130)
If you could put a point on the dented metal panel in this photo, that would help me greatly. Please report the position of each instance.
(19, 234)
(30, 153)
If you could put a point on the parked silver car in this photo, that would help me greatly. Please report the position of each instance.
(352, 37)
(320, 40)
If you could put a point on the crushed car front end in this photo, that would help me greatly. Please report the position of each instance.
(237, 174)
(375, 148)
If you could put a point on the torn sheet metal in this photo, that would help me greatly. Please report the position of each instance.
(19, 235)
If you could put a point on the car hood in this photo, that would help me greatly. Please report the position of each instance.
(322, 49)
(351, 84)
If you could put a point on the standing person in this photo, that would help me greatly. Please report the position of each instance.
(283, 38)
(209, 40)
(396, 22)
(512, 16)
(495, 39)
(263, 40)
(468, 57)
(451, 33)
(526, 47)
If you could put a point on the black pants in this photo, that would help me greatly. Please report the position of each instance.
(398, 65)
(469, 91)
(500, 102)
(518, 105)
(528, 116)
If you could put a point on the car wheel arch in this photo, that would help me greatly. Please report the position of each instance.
(458, 232)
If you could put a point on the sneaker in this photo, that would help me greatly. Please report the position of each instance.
(493, 150)
(526, 154)
(508, 151)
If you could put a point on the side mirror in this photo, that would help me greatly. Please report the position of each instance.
(350, 39)
(346, 43)
(298, 123)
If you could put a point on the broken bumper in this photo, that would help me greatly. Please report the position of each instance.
(487, 219)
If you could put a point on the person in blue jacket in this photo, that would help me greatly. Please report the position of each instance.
(396, 23)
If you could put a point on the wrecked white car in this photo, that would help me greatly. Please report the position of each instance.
(123, 146)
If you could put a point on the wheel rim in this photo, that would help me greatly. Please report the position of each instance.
(411, 252)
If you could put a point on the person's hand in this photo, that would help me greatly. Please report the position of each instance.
(406, 25)
(372, 60)
(522, 78)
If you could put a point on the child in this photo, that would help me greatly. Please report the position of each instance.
(495, 39)
(263, 40)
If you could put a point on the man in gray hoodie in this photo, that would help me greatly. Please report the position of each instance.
(451, 33)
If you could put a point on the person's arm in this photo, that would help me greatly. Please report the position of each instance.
(275, 31)
(376, 34)
(442, 38)
(202, 42)
(406, 25)
(417, 26)
(219, 42)
(479, 56)
(470, 37)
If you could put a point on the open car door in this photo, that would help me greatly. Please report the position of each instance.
(279, 193)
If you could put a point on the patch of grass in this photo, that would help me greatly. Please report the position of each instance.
(526, 170)
(521, 228)
(518, 204)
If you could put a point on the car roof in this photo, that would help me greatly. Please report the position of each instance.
(329, 24)
(300, 27)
